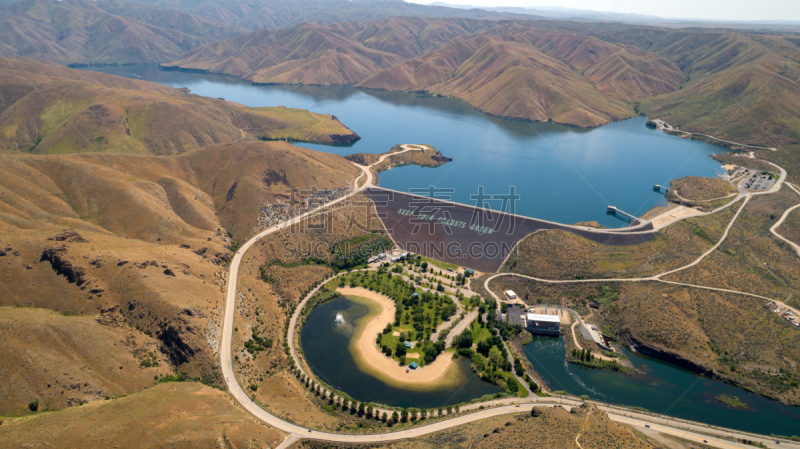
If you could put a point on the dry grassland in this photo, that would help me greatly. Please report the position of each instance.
(174, 415)
(556, 254)
(751, 259)
(143, 241)
(555, 428)
(695, 188)
(66, 361)
(55, 110)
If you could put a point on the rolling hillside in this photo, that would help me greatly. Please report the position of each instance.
(52, 109)
(515, 69)
(739, 85)
(112, 31)
(272, 14)
(137, 245)
(129, 248)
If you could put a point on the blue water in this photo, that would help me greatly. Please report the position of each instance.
(561, 173)
(325, 347)
(663, 388)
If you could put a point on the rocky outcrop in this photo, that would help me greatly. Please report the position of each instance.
(69, 235)
(63, 266)
(666, 355)
(344, 138)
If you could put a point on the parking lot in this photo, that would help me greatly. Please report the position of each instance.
(757, 181)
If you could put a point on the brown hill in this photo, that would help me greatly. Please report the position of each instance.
(306, 54)
(65, 361)
(734, 84)
(176, 199)
(52, 109)
(742, 87)
(504, 77)
(517, 69)
(272, 14)
(85, 31)
(131, 242)
(170, 415)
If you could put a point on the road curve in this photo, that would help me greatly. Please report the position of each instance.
(774, 227)
(296, 432)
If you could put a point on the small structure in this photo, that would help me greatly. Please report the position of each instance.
(510, 294)
(413, 365)
(413, 295)
(468, 272)
(617, 212)
(407, 344)
(535, 323)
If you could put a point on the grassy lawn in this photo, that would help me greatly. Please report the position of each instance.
(479, 333)
(440, 264)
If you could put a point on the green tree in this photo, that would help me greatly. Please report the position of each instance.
(496, 356)
(464, 339)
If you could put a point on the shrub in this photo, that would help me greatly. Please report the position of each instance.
(34, 405)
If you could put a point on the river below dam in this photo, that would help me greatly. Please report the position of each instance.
(663, 388)
(560, 173)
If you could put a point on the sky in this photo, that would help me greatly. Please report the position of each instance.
(753, 10)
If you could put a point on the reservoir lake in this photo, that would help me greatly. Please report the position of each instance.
(561, 174)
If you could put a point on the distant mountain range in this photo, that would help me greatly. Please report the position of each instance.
(539, 69)
(77, 31)
(558, 12)
(505, 62)
(271, 14)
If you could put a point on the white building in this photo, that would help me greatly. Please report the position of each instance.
(537, 323)
(510, 294)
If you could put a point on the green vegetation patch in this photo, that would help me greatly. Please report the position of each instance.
(257, 343)
(345, 254)
(732, 401)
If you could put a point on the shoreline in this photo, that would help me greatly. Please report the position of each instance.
(369, 358)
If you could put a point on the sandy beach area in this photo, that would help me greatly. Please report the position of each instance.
(379, 362)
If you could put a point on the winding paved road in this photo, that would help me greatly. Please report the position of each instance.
(682, 429)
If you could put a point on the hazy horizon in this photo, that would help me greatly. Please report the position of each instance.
(718, 10)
